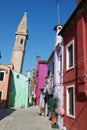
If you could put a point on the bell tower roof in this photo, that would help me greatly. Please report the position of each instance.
(23, 26)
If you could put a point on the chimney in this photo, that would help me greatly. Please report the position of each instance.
(38, 58)
(78, 1)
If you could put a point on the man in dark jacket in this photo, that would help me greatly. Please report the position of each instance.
(51, 105)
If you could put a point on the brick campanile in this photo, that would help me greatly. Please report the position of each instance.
(20, 44)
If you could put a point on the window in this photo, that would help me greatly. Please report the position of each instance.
(17, 76)
(1, 76)
(53, 67)
(70, 101)
(70, 55)
(0, 95)
(60, 59)
(21, 42)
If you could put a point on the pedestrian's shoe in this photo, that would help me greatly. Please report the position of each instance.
(50, 119)
(40, 114)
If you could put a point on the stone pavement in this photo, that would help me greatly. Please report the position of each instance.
(24, 119)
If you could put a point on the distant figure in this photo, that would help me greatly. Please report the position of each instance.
(42, 104)
(45, 92)
(51, 105)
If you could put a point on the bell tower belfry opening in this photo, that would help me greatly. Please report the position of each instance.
(20, 44)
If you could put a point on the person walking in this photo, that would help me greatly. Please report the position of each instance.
(51, 105)
(42, 104)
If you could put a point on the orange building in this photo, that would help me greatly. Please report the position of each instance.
(5, 85)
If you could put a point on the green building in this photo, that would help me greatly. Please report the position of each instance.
(19, 95)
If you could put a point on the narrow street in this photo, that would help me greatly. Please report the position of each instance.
(23, 119)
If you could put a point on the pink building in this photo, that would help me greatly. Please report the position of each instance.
(42, 70)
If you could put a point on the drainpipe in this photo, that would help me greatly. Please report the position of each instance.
(29, 83)
(37, 82)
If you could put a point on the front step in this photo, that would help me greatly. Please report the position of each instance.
(55, 126)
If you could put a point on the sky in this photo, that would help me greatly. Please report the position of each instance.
(42, 17)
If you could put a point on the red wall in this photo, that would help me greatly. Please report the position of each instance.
(77, 75)
(78, 1)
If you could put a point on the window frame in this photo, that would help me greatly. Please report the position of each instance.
(67, 56)
(3, 76)
(1, 95)
(67, 101)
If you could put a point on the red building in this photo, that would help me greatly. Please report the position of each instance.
(74, 34)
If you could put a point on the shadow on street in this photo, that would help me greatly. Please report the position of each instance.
(5, 112)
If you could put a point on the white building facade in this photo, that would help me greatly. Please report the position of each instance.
(58, 74)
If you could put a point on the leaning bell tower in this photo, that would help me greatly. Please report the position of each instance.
(20, 44)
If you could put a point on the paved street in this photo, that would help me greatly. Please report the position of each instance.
(23, 119)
